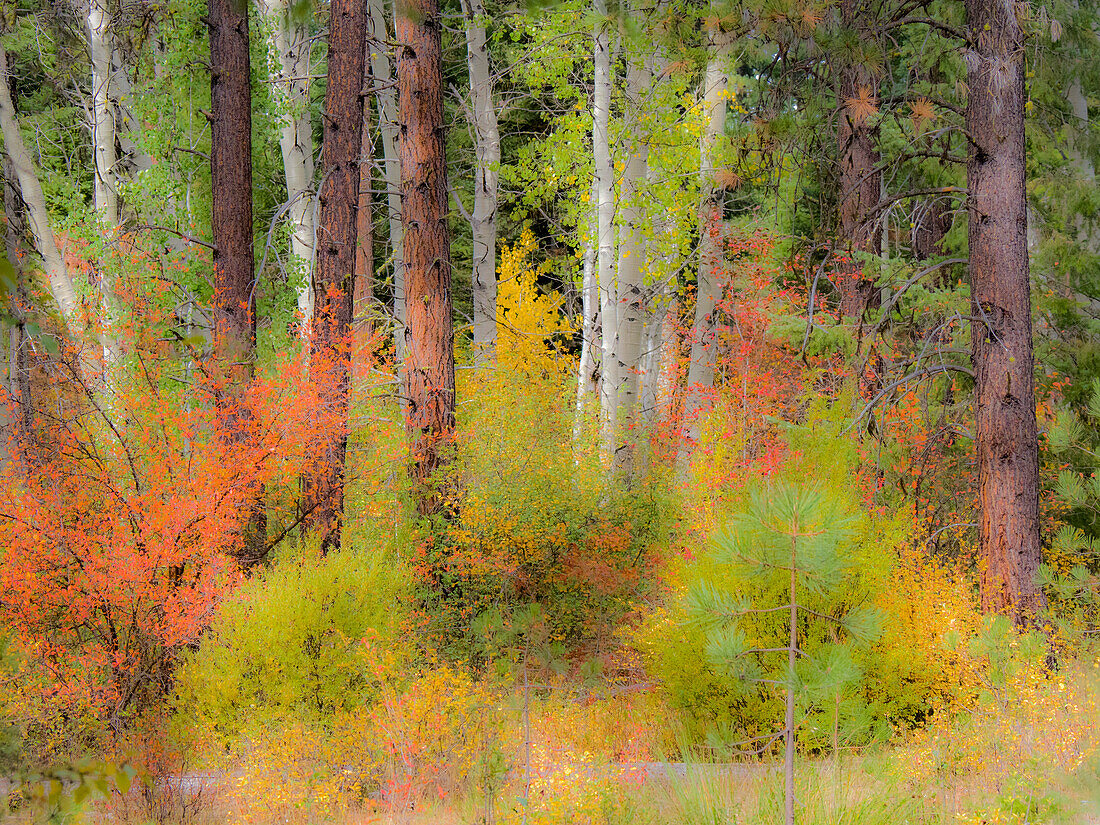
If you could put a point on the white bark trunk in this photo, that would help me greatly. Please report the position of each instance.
(101, 48)
(289, 42)
(605, 236)
(631, 307)
(60, 284)
(700, 378)
(587, 374)
(386, 98)
(486, 176)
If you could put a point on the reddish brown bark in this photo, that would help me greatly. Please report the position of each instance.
(1004, 392)
(429, 367)
(234, 306)
(330, 344)
(860, 179)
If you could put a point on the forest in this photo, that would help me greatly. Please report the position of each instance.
(550, 412)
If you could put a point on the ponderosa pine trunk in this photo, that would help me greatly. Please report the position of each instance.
(1004, 392)
(483, 219)
(429, 367)
(234, 306)
(860, 178)
(330, 343)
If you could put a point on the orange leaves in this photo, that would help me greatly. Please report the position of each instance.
(921, 113)
(862, 106)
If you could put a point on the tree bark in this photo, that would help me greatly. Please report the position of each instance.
(1004, 392)
(57, 275)
(429, 368)
(330, 343)
(604, 173)
(100, 47)
(363, 297)
(291, 53)
(234, 306)
(587, 364)
(700, 377)
(860, 179)
(386, 97)
(631, 310)
(486, 176)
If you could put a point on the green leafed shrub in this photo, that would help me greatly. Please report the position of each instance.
(289, 645)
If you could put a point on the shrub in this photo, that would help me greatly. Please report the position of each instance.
(287, 647)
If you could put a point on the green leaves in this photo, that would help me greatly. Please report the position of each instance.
(62, 790)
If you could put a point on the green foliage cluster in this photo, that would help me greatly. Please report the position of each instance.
(289, 645)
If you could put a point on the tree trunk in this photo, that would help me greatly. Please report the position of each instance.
(604, 173)
(860, 180)
(631, 309)
(290, 49)
(429, 368)
(330, 344)
(100, 46)
(587, 369)
(364, 240)
(61, 285)
(486, 175)
(234, 307)
(1004, 392)
(386, 97)
(700, 377)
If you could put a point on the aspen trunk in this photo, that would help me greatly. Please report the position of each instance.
(605, 237)
(587, 369)
(386, 97)
(289, 43)
(429, 368)
(486, 175)
(60, 284)
(1004, 391)
(860, 180)
(323, 492)
(631, 308)
(234, 306)
(700, 377)
(101, 47)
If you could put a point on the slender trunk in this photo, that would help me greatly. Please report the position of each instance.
(700, 378)
(100, 45)
(234, 306)
(330, 343)
(860, 179)
(290, 49)
(429, 368)
(106, 185)
(21, 420)
(631, 305)
(486, 174)
(792, 658)
(61, 285)
(131, 157)
(386, 97)
(587, 369)
(605, 234)
(364, 240)
(1004, 391)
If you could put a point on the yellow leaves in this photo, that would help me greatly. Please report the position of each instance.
(862, 106)
(527, 317)
(921, 113)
